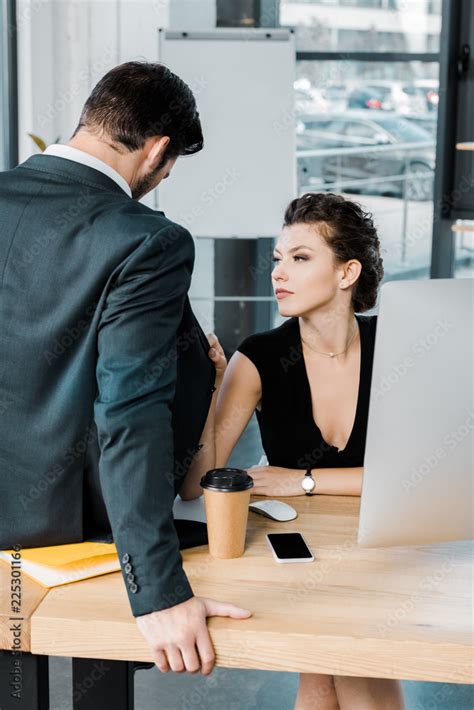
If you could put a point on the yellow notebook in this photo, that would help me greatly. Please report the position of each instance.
(63, 564)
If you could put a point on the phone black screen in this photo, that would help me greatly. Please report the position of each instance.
(289, 546)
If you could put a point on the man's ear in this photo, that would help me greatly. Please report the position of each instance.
(157, 150)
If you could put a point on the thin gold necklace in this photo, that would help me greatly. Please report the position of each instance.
(332, 354)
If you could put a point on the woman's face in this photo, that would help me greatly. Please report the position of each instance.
(305, 276)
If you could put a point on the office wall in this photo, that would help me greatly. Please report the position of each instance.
(65, 46)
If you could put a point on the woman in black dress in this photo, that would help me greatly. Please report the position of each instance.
(309, 382)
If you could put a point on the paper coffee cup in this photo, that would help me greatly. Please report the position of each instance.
(226, 500)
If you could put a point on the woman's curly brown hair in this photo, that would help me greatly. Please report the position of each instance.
(351, 234)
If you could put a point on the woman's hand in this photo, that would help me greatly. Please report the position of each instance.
(217, 355)
(276, 481)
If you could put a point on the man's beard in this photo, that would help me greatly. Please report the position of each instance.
(144, 184)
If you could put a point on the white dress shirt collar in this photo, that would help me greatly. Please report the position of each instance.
(79, 156)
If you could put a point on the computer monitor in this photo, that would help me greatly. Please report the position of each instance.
(418, 465)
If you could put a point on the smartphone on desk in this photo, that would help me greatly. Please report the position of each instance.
(289, 547)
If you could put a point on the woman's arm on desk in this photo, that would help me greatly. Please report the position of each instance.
(276, 481)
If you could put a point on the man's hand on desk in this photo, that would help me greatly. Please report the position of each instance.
(179, 638)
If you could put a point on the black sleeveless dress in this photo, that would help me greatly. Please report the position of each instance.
(290, 437)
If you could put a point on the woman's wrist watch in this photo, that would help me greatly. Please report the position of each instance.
(308, 483)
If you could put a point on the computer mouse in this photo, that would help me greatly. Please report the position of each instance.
(274, 509)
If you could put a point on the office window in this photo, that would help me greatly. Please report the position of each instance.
(390, 109)
(237, 13)
(367, 128)
(348, 24)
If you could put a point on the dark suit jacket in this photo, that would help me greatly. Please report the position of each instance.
(105, 381)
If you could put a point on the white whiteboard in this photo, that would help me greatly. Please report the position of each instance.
(241, 182)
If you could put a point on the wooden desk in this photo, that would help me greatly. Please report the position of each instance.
(401, 612)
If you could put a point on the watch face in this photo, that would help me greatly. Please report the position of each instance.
(308, 483)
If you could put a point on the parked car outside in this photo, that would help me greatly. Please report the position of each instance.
(387, 170)
(398, 96)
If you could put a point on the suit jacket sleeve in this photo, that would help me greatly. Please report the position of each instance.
(136, 377)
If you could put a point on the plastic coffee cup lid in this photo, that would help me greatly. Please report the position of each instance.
(227, 479)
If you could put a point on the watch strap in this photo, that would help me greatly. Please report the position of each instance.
(309, 473)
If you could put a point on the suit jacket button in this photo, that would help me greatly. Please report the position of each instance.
(133, 588)
(127, 568)
(213, 388)
(130, 577)
(125, 558)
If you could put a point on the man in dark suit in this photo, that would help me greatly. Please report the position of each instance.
(102, 406)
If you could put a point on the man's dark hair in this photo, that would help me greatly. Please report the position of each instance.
(350, 232)
(137, 100)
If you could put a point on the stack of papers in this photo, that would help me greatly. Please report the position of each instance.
(63, 564)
